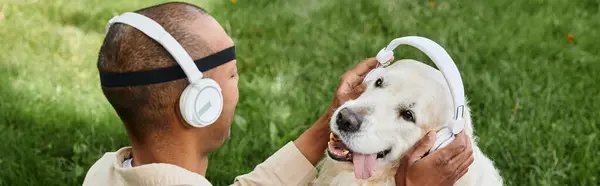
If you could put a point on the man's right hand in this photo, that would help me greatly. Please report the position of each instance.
(442, 167)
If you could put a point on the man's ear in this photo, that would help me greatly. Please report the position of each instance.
(179, 118)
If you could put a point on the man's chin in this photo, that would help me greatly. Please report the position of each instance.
(215, 145)
(213, 142)
(225, 137)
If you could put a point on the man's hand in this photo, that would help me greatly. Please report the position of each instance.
(351, 85)
(442, 167)
(313, 142)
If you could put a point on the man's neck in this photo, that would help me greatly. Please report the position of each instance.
(176, 151)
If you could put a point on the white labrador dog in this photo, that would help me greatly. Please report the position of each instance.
(400, 104)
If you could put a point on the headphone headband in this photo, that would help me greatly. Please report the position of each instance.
(161, 75)
(153, 30)
(445, 64)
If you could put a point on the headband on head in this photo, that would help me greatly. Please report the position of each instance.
(161, 75)
(186, 66)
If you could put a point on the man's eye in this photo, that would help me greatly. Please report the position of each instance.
(379, 82)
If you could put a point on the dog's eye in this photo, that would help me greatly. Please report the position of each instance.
(379, 82)
(407, 115)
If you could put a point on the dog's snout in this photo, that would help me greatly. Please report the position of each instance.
(348, 121)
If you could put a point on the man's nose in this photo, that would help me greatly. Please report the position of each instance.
(348, 120)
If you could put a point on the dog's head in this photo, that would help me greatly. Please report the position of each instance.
(400, 104)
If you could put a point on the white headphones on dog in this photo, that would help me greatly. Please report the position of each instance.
(201, 102)
(450, 72)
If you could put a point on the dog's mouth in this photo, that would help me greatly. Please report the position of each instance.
(364, 164)
(338, 151)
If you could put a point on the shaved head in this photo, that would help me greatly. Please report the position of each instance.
(151, 111)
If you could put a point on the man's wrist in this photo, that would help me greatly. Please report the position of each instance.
(327, 115)
(313, 142)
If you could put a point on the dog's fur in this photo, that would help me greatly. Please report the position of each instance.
(407, 84)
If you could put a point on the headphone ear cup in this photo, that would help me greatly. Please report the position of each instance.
(443, 138)
(201, 103)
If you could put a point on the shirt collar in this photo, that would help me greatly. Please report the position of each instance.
(155, 173)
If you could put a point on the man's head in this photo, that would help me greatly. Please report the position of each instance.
(151, 112)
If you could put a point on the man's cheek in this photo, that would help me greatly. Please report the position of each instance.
(236, 94)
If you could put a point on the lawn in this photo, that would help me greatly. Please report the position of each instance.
(530, 70)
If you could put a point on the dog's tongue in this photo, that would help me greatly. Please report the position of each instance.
(364, 165)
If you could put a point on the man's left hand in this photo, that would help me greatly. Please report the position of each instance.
(351, 85)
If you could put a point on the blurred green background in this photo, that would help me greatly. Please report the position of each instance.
(530, 70)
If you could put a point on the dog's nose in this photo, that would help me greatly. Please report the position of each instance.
(348, 121)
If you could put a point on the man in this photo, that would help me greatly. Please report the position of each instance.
(165, 150)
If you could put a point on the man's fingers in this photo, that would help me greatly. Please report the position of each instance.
(443, 156)
(364, 67)
(352, 80)
(361, 88)
(463, 168)
(467, 163)
(354, 93)
(356, 75)
(464, 155)
(455, 148)
(462, 158)
(459, 165)
(358, 90)
(422, 147)
(466, 158)
(460, 175)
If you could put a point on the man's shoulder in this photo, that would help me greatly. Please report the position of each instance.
(101, 172)
(109, 170)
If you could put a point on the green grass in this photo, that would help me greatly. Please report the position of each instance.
(55, 122)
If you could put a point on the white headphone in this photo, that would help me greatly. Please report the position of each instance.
(201, 102)
(446, 65)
